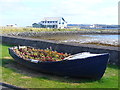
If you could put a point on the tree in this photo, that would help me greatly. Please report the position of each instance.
(36, 25)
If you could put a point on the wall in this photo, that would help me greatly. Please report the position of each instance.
(63, 47)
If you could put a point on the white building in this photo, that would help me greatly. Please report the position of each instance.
(12, 25)
(53, 22)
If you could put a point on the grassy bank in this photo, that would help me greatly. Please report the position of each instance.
(101, 44)
(30, 29)
(21, 29)
(19, 75)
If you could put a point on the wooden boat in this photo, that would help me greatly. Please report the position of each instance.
(82, 65)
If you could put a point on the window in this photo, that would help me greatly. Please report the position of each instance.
(55, 21)
(62, 22)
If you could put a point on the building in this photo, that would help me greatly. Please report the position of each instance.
(52, 22)
(12, 25)
(104, 26)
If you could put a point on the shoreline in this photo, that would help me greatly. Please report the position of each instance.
(65, 32)
(47, 35)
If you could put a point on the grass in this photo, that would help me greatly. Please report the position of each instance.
(30, 29)
(21, 76)
(102, 44)
(21, 29)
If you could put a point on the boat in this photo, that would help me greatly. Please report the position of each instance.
(81, 65)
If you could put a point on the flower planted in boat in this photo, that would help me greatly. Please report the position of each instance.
(29, 53)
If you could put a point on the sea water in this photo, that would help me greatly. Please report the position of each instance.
(105, 39)
(78, 38)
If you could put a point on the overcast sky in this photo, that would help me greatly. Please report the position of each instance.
(26, 12)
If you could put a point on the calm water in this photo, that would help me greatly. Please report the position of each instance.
(103, 36)
(106, 39)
